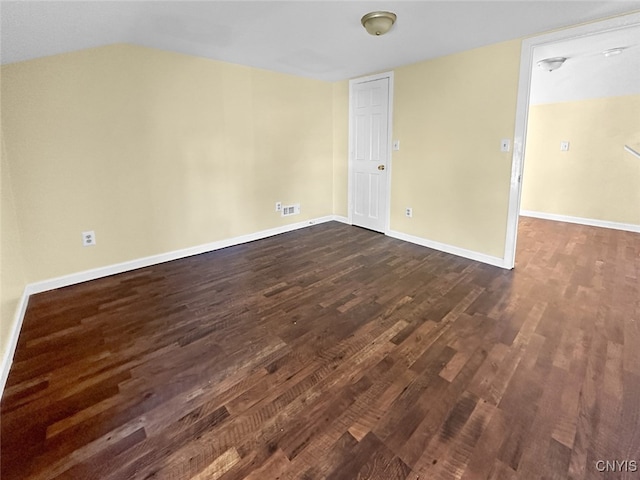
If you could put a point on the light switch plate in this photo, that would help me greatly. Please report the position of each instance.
(505, 145)
(564, 146)
(396, 145)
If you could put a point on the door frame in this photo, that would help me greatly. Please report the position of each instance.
(352, 83)
(522, 112)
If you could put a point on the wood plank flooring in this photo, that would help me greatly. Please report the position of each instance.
(337, 353)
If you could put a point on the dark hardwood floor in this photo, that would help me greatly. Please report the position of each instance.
(337, 353)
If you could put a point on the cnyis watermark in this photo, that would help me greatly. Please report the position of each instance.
(617, 466)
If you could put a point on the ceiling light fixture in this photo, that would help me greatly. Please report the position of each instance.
(551, 64)
(613, 51)
(378, 23)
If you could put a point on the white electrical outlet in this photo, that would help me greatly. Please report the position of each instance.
(408, 212)
(278, 206)
(88, 238)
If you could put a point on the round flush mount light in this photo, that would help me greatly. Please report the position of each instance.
(378, 23)
(551, 64)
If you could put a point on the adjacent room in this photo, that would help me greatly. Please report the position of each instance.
(582, 133)
(320, 240)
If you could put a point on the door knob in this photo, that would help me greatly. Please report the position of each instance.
(380, 167)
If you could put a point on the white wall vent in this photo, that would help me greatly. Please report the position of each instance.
(288, 210)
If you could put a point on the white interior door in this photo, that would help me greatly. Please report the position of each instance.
(369, 153)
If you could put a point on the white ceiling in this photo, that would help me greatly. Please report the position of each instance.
(587, 73)
(317, 39)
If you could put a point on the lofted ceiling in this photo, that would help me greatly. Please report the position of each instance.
(317, 39)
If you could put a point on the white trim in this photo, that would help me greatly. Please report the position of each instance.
(632, 151)
(522, 112)
(96, 273)
(443, 247)
(341, 219)
(517, 158)
(591, 222)
(370, 78)
(100, 272)
(387, 221)
(7, 357)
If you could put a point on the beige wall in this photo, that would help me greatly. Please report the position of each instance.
(449, 115)
(340, 148)
(596, 179)
(12, 276)
(157, 151)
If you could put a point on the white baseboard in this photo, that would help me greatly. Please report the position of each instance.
(7, 357)
(443, 247)
(341, 219)
(94, 274)
(628, 227)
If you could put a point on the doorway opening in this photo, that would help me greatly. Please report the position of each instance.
(533, 50)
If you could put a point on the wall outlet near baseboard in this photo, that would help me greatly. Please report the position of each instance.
(408, 212)
(88, 238)
(278, 206)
